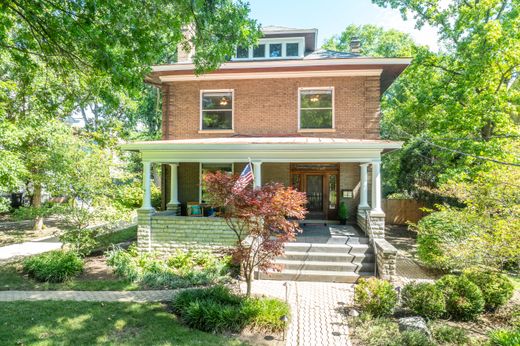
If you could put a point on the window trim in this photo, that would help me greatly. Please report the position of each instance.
(268, 42)
(201, 111)
(200, 174)
(331, 129)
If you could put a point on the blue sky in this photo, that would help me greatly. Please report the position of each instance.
(330, 17)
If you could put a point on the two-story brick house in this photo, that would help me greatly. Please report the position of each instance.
(304, 117)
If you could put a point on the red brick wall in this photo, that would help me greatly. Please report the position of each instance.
(270, 107)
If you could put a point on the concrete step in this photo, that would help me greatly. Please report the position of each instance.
(287, 264)
(313, 275)
(342, 257)
(327, 248)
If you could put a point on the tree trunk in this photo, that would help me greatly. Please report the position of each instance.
(37, 203)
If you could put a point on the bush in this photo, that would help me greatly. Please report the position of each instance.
(449, 335)
(424, 299)
(181, 270)
(496, 287)
(436, 234)
(217, 309)
(54, 266)
(414, 338)
(464, 300)
(505, 337)
(376, 297)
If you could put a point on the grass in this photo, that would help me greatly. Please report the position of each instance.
(93, 323)
(11, 278)
(120, 236)
(516, 282)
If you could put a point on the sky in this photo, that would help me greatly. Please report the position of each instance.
(331, 17)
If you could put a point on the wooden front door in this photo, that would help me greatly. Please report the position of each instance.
(321, 184)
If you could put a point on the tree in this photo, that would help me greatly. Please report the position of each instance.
(258, 217)
(375, 41)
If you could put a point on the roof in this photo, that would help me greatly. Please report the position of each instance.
(277, 29)
(264, 149)
(285, 141)
(332, 54)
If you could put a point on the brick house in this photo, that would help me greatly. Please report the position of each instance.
(304, 117)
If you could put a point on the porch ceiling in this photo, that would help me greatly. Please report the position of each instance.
(267, 149)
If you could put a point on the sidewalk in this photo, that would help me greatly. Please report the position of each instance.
(90, 296)
(29, 248)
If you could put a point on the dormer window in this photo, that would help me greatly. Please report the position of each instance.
(273, 48)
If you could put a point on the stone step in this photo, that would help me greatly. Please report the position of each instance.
(342, 257)
(313, 275)
(327, 248)
(287, 264)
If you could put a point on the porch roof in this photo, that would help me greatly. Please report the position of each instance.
(268, 149)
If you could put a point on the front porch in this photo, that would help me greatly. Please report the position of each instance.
(331, 171)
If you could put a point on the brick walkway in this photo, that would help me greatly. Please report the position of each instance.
(92, 296)
(316, 308)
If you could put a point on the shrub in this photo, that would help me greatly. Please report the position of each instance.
(54, 266)
(496, 287)
(505, 337)
(424, 299)
(376, 297)
(444, 334)
(181, 270)
(217, 309)
(436, 234)
(464, 300)
(414, 338)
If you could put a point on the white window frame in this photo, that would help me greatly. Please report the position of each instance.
(333, 128)
(283, 42)
(200, 174)
(201, 115)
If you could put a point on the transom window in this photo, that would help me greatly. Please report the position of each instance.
(316, 107)
(211, 168)
(217, 110)
(273, 48)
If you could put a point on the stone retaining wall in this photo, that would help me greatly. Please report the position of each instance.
(167, 232)
(377, 225)
(386, 256)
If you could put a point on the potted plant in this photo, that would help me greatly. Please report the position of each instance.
(343, 213)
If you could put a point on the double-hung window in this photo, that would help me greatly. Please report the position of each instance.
(211, 168)
(216, 110)
(316, 108)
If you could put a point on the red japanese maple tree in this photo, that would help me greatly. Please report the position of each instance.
(263, 219)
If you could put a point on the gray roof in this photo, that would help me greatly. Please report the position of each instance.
(331, 54)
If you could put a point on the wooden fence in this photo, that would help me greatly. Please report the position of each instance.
(400, 211)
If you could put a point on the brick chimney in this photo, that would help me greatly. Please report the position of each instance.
(355, 45)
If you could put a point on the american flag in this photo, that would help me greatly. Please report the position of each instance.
(245, 178)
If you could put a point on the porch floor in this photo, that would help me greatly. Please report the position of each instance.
(319, 233)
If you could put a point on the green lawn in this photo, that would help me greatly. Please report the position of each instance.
(89, 323)
(12, 279)
(120, 236)
(516, 282)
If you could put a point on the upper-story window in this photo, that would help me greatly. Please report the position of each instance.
(216, 109)
(273, 48)
(316, 108)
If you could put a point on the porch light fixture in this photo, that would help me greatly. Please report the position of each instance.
(315, 98)
(223, 101)
(347, 193)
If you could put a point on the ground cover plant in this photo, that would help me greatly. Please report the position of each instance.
(97, 323)
(217, 310)
(53, 266)
(183, 269)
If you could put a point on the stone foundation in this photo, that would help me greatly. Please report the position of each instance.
(144, 228)
(386, 257)
(168, 232)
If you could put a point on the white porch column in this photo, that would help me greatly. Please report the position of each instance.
(174, 190)
(363, 193)
(147, 197)
(376, 187)
(257, 171)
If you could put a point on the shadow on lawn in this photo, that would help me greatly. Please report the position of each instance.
(88, 323)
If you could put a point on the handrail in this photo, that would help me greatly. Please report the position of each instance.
(371, 235)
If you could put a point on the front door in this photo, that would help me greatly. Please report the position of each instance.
(315, 193)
